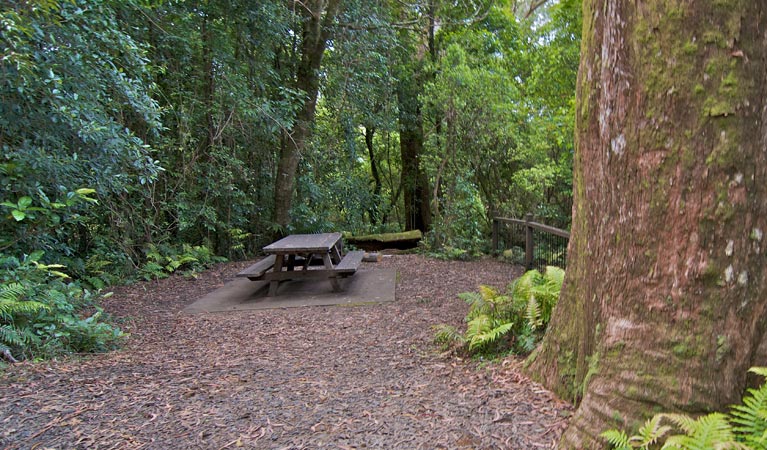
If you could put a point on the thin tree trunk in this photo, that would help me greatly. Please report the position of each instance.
(318, 18)
(377, 185)
(414, 183)
(209, 86)
(666, 287)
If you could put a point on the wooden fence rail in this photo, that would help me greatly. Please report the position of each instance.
(543, 244)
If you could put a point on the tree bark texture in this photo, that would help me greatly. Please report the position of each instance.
(373, 210)
(415, 184)
(318, 17)
(665, 295)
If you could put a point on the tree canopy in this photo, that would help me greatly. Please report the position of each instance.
(177, 115)
(139, 136)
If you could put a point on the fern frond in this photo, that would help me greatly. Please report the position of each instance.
(650, 433)
(489, 336)
(16, 337)
(522, 288)
(10, 309)
(759, 371)
(488, 294)
(750, 418)
(11, 292)
(447, 335)
(555, 276)
(533, 313)
(617, 439)
(470, 297)
(708, 432)
(478, 325)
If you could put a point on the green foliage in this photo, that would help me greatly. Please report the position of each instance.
(745, 427)
(162, 261)
(749, 420)
(514, 321)
(41, 312)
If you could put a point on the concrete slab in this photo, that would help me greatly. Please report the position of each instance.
(240, 294)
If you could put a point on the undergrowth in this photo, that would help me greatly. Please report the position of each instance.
(511, 321)
(43, 313)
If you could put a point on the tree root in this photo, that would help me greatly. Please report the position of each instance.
(6, 355)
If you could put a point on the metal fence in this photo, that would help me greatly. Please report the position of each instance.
(532, 244)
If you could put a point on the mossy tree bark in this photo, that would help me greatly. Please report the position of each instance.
(666, 288)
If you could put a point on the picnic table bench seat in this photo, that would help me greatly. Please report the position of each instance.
(350, 262)
(257, 270)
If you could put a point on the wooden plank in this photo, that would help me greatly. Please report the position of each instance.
(351, 262)
(329, 266)
(257, 270)
(300, 274)
(304, 243)
(536, 225)
(275, 284)
(550, 229)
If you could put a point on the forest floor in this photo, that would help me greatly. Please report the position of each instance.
(316, 377)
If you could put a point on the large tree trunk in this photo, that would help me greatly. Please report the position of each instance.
(415, 184)
(666, 287)
(318, 17)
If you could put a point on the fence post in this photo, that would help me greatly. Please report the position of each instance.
(528, 241)
(496, 226)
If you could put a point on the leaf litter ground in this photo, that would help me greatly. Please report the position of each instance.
(317, 377)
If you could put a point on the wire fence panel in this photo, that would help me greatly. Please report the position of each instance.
(511, 242)
(549, 250)
(531, 244)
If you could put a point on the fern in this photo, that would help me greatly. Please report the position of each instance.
(651, 432)
(447, 336)
(712, 431)
(750, 419)
(12, 303)
(745, 427)
(617, 439)
(523, 314)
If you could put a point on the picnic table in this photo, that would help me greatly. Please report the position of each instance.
(293, 257)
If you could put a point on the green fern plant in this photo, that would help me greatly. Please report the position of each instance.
(52, 323)
(447, 336)
(12, 301)
(164, 261)
(514, 320)
(749, 419)
(541, 292)
(745, 427)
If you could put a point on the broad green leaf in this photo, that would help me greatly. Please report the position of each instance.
(18, 215)
(36, 255)
(24, 202)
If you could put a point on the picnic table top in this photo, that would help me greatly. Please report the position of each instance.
(297, 243)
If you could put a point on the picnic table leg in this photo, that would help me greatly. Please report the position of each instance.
(274, 284)
(329, 266)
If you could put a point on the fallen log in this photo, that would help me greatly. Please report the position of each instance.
(382, 241)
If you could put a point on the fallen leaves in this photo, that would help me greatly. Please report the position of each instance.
(357, 377)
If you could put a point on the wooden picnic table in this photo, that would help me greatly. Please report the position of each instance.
(292, 256)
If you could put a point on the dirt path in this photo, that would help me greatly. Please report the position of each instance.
(321, 377)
